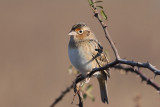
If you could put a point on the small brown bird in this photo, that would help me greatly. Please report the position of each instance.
(86, 53)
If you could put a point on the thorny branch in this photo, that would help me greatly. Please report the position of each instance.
(137, 71)
(117, 64)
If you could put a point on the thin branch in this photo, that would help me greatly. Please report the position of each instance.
(96, 70)
(140, 64)
(104, 26)
(115, 64)
(62, 95)
(142, 76)
(80, 99)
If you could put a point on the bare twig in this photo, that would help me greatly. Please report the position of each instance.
(80, 99)
(62, 95)
(104, 26)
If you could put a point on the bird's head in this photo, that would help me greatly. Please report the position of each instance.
(80, 32)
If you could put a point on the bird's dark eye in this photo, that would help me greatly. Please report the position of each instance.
(80, 31)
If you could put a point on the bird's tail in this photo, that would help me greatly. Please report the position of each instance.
(103, 90)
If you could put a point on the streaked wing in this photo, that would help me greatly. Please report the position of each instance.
(100, 57)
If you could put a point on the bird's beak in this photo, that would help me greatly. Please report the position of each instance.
(72, 33)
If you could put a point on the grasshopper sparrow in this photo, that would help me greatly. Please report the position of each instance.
(86, 53)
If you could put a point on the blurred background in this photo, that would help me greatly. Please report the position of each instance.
(34, 58)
